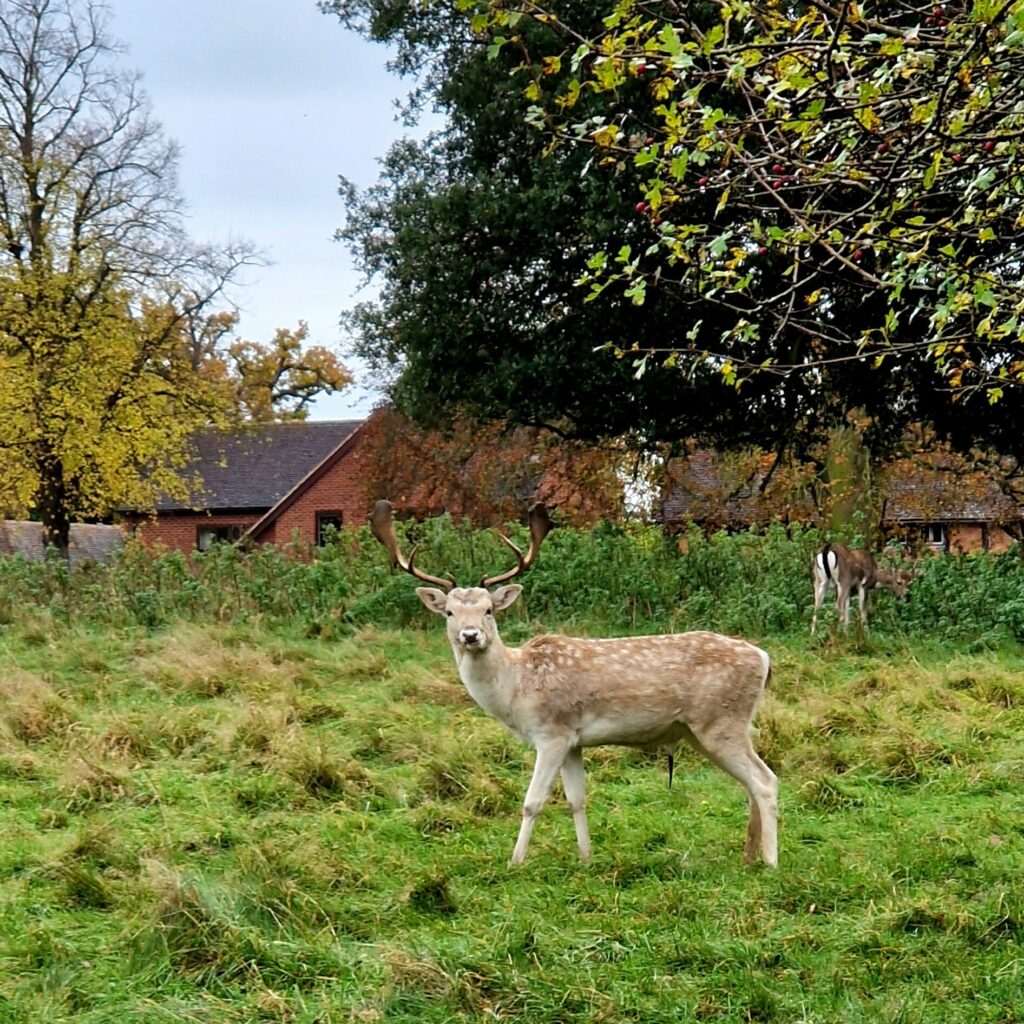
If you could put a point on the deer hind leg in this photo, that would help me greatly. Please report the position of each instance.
(862, 598)
(734, 753)
(843, 605)
(550, 757)
(574, 783)
(820, 588)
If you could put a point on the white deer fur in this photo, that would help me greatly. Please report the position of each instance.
(846, 569)
(561, 694)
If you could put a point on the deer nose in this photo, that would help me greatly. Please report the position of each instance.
(470, 637)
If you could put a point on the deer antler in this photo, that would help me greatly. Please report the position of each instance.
(383, 528)
(540, 526)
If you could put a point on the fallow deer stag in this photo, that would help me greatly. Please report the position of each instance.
(560, 694)
(846, 569)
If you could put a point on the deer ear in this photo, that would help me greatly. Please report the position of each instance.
(504, 596)
(436, 600)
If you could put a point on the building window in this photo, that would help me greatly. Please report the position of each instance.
(934, 534)
(207, 536)
(328, 526)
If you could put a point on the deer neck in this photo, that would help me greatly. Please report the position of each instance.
(885, 579)
(491, 677)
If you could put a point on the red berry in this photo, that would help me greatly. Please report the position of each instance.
(778, 169)
(958, 158)
(762, 250)
(777, 183)
(857, 256)
(989, 146)
(641, 207)
(883, 147)
(702, 182)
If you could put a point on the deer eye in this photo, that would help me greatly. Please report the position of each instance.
(450, 614)
(490, 611)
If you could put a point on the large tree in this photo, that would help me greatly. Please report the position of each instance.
(477, 239)
(817, 202)
(278, 380)
(99, 282)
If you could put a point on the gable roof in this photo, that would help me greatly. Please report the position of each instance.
(303, 485)
(926, 490)
(255, 467)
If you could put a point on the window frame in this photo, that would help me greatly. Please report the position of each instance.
(326, 518)
(222, 533)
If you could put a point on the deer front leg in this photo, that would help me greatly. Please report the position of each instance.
(574, 783)
(550, 756)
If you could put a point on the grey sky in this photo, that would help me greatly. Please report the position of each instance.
(271, 101)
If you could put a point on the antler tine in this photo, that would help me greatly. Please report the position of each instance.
(383, 528)
(540, 527)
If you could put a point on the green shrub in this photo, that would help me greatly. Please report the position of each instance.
(611, 579)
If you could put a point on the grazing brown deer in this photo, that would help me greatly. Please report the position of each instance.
(847, 569)
(560, 694)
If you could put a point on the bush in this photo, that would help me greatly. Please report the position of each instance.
(612, 579)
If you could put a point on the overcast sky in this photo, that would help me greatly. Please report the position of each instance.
(271, 101)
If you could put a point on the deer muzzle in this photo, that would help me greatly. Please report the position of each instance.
(470, 637)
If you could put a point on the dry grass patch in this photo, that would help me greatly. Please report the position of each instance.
(150, 735)
(85, 782)
(421, 683)
(30, 709)
(258, 729)
(201, 661)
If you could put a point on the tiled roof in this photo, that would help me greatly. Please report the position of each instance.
(254, 468)
(90, 542)
(706, 488)
(922, 493)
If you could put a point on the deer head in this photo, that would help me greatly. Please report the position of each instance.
(470, 611)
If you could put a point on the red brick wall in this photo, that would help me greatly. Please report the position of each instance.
(972, 538)
(342, 489)
(179, 531)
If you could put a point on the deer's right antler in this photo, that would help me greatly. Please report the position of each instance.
(540, 527)
(383, 528)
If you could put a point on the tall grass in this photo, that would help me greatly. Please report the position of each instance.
(613, 579)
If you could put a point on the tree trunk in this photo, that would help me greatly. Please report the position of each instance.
(53, 506)
(850, 515)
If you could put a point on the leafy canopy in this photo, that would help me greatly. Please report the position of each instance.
(738, 222)
(843, 180)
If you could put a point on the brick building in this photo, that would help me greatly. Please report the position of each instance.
(271, 482)
(930, 502)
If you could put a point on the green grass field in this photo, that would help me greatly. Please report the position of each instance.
(237, 823)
